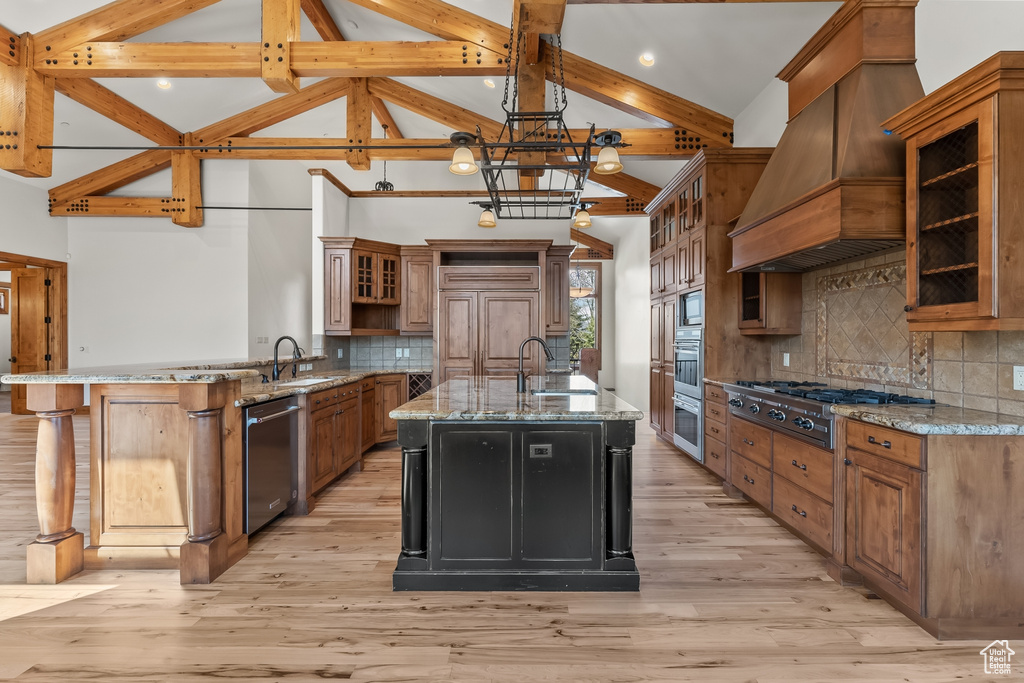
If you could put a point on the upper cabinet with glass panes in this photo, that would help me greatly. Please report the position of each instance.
(965, 222)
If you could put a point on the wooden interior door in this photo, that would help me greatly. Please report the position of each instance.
(29, 329)
(505, 320)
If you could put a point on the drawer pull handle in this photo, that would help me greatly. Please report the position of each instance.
(803, 467)
(748, 442)
(802, 513)
(748, 480)
(715, 455)
(885, 444)
(714, 429)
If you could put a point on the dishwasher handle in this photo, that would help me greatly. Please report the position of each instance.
(272, 416)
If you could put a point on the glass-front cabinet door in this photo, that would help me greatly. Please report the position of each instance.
(950, 206)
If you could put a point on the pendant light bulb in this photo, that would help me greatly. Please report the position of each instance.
(463, 162)
(582, 220)
(487, 219)
(608, 161)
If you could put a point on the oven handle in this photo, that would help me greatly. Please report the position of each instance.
(686, 404)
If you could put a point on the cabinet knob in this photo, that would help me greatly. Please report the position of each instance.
(847, 462)
(908, 308)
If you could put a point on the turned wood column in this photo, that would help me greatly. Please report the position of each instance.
(619, 440)
(204, 554)
(57, 552)
(412, 437)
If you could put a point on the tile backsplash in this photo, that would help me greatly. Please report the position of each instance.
(398, 353)
(855, 335)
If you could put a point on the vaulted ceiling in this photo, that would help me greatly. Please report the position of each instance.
(344, 68)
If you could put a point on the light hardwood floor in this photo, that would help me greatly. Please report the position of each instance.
(726, 595)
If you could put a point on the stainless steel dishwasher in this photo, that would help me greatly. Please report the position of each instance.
(271, 460)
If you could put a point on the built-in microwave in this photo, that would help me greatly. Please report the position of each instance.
(690, 310)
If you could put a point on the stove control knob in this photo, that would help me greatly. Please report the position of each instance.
(736, 402)
(803, 423)
(777, 415)
(754, 408)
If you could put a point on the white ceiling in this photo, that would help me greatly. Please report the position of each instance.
(719, 55)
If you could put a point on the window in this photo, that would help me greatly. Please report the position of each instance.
(584, 309)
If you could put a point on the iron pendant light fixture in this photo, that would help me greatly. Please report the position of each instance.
(534, 170)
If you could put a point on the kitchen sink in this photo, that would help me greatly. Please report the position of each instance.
(564, 392)
(303, 382)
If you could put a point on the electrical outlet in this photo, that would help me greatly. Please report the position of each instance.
(398, 353)
(341, 353)
(1018, 377)
(785, 360)
(405, 353)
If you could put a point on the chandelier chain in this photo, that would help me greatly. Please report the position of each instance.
(560, 81)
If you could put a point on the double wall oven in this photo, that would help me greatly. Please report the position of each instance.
(688, 375)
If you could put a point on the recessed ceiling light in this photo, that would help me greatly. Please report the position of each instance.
(163, 83)
(489, 83)
(647, 59)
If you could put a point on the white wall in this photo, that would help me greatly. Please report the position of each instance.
(329, 218)
(145, 290)
(632, 315)
(27, 229)
(762, 122)
(279, 267)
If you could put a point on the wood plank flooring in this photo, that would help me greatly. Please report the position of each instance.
(726, 595)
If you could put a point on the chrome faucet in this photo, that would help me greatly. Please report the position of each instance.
(521, 375)
(296, 355)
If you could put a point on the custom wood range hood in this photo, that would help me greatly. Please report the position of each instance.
(835, 185)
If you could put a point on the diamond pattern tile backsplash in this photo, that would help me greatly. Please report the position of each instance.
(855, 335)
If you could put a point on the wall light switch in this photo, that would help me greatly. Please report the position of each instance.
(341, 353)
(398, 353)
(785, 360)
(405, 353)
(1018, 377)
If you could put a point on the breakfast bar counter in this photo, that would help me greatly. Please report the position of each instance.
(516, 491)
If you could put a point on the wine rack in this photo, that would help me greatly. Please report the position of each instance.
(419, 384)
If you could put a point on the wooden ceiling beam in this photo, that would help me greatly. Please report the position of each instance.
(115, 22)
(103, 101)
(639, 190)
(246, 60)
(332, 179)
(675, 2)
(644, 101)
(596, 249)
(358, 126)
(615, 206)
(110, 177)
(275, 111)
(433, 108)
(583, 76)
(113, 206)
(26, 116)
(540, 16)
(280, 32)
(324, 23)
(186, 187)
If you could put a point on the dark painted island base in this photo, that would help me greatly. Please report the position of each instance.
(511, 506)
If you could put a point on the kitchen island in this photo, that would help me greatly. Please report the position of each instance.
(516, 491)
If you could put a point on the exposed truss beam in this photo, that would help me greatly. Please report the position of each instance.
(601, 83)
(109, 178)
(433, 108)
(675, 2)
(324, 23)
(116, 21)
(103, 101)
(10, 48)
(332, 179)
(186, 188)
(358, 126)
(108, 205)
(245, 60)
(540, 16)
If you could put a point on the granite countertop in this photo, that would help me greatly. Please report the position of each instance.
(495, 398)
(261, 393)
(142, 373)
(934, 419)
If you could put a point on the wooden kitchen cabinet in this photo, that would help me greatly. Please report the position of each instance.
(556, 289)
(657, 398)
(965, 163)
(417, 300)
(334, 430)
(362, 287)
(716, 435)
(390, 391)
(770, 303)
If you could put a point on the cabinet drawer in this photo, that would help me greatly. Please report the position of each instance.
(480, 278)
(716, 412)
(805, 512)
(886, 443)
(751, 441)
(806, 466)
(366, 384)
(332, 396)
(714, 394)
(715, 457)
(751, 478)
(714, 430)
